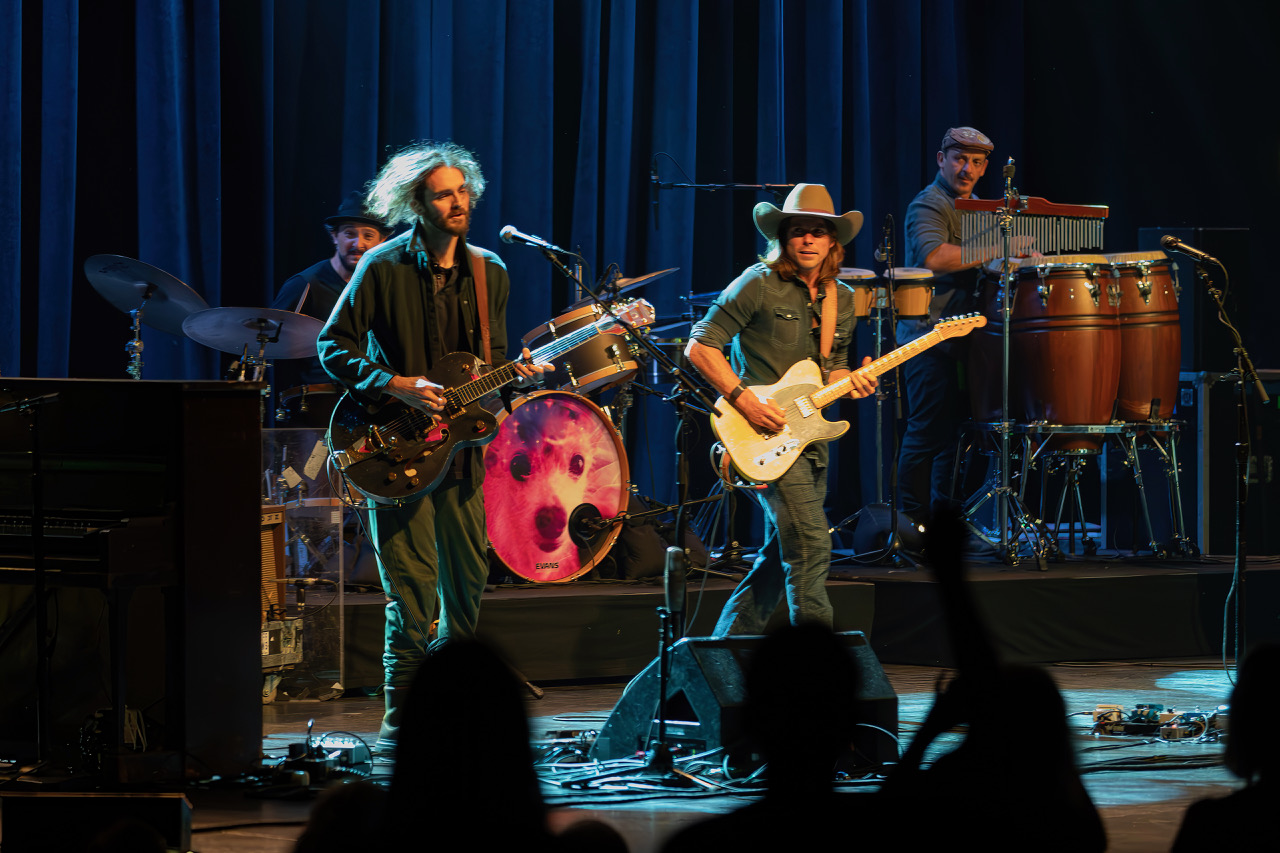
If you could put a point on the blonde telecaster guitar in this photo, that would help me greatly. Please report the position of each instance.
(761, 456)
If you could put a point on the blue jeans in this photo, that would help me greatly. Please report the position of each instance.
(927, 456)
(796, 556)
(431, 553)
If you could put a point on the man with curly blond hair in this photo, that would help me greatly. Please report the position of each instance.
(412, 301)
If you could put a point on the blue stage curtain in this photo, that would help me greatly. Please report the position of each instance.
(211, 139)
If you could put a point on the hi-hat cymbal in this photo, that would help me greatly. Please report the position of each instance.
(623, 285)
(128, 284)
(233, 329)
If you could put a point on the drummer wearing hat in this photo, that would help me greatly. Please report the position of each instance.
(788, 308)
(315, 290)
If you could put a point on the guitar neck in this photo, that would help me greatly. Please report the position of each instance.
(469, 392)
(827, 395)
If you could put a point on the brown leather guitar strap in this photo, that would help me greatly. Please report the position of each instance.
(482, 298)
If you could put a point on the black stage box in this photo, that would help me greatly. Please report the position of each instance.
(1207, 404)
(705, 694)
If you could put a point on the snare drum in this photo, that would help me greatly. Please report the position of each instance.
(1150, 334)
(911, 293)
(862, 283)
(602, 362)
(555, 466)
(308, 405)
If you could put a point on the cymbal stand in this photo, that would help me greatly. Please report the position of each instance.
(135, 345)
(1008, 507)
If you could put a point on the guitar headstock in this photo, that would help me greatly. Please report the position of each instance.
(637, 314)
(960, 325)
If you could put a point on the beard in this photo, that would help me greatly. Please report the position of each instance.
(458, 227)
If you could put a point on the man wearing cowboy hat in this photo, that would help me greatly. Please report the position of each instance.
(788, 308)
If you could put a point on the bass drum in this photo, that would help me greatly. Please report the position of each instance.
(556, 466)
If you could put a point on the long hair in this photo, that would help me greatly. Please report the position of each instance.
(776, 259)
(395, 195)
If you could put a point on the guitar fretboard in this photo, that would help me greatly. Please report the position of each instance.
(827, 395)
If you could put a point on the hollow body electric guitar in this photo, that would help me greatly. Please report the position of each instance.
(761, 456)
(396, 453)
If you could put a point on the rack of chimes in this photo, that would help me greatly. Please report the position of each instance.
(1054, 227)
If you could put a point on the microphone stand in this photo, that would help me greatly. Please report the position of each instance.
(893, 549)
(1245, 374)
(688, 398)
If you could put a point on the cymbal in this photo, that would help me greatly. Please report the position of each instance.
(232, 329)
(623, 285)
(127, 284)
(854, 274)
(671, 328)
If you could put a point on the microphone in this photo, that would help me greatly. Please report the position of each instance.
(885, 249)
(509, 234)
(673, 580)
(1173, 244)
(653, 191)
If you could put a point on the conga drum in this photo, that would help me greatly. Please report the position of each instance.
(1150, 335)
(555, 469)
(862, 283)
(1064, 345)
(912, 291)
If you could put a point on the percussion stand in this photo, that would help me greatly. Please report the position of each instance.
(1245, 374)
(1008, 507)
(892, 549)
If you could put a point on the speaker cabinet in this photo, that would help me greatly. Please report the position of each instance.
(705, 695)
(58, 822)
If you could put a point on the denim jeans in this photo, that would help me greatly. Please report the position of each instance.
(927, 456)
(432, 553)
(796, 556)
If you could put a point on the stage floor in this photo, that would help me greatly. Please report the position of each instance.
(1141, 808)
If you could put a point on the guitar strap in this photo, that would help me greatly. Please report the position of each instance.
(482, 298)
(827, 334)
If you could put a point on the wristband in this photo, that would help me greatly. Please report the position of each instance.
(736, 393)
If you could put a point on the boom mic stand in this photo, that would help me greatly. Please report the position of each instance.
(1246, 374)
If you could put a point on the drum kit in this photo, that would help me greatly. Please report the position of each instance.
(579, 477)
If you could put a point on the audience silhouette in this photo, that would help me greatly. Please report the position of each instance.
(1242, 820)
(800, 714)
(1012, 782)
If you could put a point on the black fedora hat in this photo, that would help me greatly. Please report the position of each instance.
(352, 210)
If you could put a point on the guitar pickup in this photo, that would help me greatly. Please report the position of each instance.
(781, 450)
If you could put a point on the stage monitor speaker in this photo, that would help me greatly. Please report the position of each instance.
(705, 695)
(58, 822)
(1206, 343)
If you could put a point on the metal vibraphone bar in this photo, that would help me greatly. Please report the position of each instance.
(1053, 227)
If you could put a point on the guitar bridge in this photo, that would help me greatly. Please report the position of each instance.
(783, 449)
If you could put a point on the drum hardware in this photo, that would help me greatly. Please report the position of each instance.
(147, 294)
(1053, 228)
